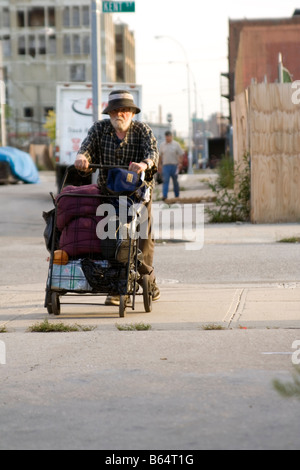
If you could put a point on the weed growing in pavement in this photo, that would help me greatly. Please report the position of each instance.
(232, 205)
(134, 327)
(290, 389)
(290, 240)
(212, 326)
(46, 327)
(3, 329)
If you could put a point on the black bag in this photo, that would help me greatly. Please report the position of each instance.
(48, 232)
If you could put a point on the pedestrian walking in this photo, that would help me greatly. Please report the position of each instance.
(122, 141)
(171, 158)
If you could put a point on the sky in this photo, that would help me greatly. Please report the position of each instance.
(193, 42)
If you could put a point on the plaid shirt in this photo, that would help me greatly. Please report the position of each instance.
(102, 146)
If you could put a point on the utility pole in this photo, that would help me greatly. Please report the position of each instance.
(96, 57)
(2, 100)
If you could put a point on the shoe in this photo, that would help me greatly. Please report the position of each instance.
(155, 293)
(115, 300)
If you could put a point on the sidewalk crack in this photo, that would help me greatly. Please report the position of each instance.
(234, 308)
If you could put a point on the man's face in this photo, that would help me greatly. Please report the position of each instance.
(169, 138)
(121, 119)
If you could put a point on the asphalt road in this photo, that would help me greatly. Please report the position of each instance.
(173, 389)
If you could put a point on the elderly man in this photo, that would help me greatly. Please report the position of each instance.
(122, 141)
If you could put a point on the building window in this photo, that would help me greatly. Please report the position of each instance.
(76, 44)
(77, 73)
(36, 17)
(5, 18)
(28, 112)
(6, 46)
(51, 16)
(47, 110)
(31, 45)
(76, 16)
(52, 45)
(86, 45)
(42, 45)
(67, 45)
(66, 16)
(21, 45)
(85, 16)
(20, 19)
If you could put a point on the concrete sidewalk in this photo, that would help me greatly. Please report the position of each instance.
(180, 307)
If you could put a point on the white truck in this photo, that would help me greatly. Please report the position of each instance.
(74, 117)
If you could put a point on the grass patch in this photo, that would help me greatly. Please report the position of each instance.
(3, 329)
(290, 240)
(212, 326)
(289, 389)
(46, 327)
(134, 327)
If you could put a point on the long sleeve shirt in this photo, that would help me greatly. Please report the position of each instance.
(102, 146)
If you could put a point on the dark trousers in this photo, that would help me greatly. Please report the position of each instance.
(170, 172)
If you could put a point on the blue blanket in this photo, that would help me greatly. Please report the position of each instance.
(21, 164)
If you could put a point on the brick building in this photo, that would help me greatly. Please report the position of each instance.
(253, 49)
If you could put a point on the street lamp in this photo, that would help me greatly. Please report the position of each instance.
(96, 58)
(2, 100)
(190, 156)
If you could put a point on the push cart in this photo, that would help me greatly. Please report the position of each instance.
(93, 250)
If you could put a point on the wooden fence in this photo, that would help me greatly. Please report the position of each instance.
(266, 124)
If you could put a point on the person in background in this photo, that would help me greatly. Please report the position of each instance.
(122, 141)
(171, 158)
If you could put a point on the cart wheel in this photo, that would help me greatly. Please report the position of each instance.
(147, 294)
(122, 306)
(48, 303)
(49, 309)
(55, 303)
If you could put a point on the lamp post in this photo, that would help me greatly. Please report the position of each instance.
(96, 58)
(190, 156)
(2, 100)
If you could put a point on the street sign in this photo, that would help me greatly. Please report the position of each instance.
(118, 7)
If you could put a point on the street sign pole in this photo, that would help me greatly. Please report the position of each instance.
(96, 58)
(98, 7)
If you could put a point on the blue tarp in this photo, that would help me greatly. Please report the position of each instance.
(21, 164)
